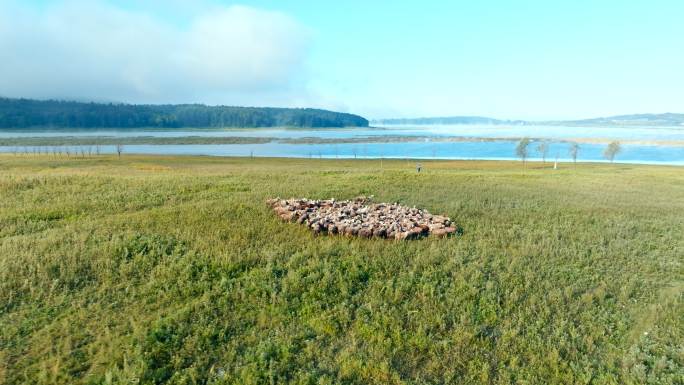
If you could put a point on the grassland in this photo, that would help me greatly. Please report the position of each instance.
(171, 270)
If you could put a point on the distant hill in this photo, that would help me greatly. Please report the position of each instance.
(668, 119)
(27, 113)
(660, 120)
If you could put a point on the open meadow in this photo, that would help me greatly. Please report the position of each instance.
(172, 270)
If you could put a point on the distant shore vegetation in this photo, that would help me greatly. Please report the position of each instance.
(27, 113)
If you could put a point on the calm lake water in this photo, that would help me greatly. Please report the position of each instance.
(423, 148)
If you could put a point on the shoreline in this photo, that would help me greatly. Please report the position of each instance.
(563, 163)
(74, 140)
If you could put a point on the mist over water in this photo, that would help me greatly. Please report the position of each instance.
(417, 142)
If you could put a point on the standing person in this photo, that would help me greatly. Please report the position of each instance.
(418, 167)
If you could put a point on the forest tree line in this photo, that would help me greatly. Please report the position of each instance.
(27, 113)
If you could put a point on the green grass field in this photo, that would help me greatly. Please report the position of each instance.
(172, 270)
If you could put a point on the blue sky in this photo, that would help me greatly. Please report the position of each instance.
(524, 59)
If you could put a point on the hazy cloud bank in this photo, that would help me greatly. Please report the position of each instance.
(96, 51)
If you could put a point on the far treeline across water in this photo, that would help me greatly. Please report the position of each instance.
(27, 114)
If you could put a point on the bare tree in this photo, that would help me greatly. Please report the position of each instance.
(119, 149)
(574, 151)
(543, 149)
(522, 151)
(97, 149)
(612, 150)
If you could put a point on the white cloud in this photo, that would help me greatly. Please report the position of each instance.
(91, 50)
